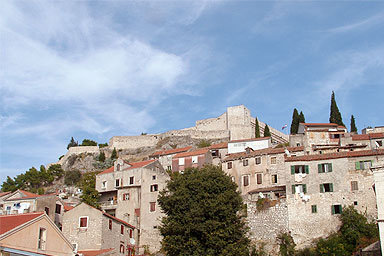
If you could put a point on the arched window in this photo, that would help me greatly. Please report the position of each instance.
(122, 248)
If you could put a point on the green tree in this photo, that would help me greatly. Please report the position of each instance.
(353, 124)
(90, 194)
(287, 245)
(114, 154)
(257, 129)
(301, 118)
(335, 115)
(101, 156)
(72, 143)
(9, 185)
(295, 122)
(46, 177)
(87, 142)
(267, 133)
(204, 144)
(103, 145)
(203, 214)
(56, 171)
(72, 177)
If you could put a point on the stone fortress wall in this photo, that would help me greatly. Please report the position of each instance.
(77, 151)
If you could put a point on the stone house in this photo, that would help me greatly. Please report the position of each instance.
(379, 191)
(196, 158)
(129, 191)
(165, 156)
(219, 152)
(236, 146)
(263, 170)
(90, 229)
(318, 186)
(3, 196)
(32, 234)
(372, 130)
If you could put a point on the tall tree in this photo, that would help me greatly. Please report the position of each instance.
(295, 122)
(257, 129)
(301, 118)
(114, 154)
(72, 143)
(267, 133)
(335, 115)
(203, 214)
(87, 184)
(353, 124)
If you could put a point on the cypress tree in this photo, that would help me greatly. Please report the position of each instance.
(353, 124)
(102, 156)
(257, 129)
(267, 133)
(72, 143)
(295, 122)
(335, 115)
(114, 154)
(301, 118)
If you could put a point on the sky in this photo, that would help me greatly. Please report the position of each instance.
(97, 69)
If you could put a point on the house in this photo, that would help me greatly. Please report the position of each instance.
(93, 230)
(165, 156)
(236, 146)
(263, 170)
(129, 191)
(320, 185)
(3, 196)
(379, 191)
(32, 234)
(372, 130)
(218, 151)
(195, 158)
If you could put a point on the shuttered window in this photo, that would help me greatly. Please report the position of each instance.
(324, 167)
(259, 178)
(326, 187)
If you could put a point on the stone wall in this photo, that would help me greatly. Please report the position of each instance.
(77, 151)
(217, 123)
(132, 142)
(277, 136)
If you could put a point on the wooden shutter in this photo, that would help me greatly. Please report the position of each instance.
(320, 168)
(330, 167)
(293, 189)
(304, 188)
(357, 164)
(321, 188)
(307, 169)
(330, 187)
(333, 209)
(292, 169)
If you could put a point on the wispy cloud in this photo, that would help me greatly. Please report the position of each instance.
(370, 21)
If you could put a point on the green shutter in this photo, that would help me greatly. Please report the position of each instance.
(341, 209)
(319, 168)
(307, 169)
(329, 167)
(330, 187)
(333, 209)
(293, 189)
(321, 188)
(357, 165)
(292, 169)
(371, 163)
(304, 188)
(314, 208)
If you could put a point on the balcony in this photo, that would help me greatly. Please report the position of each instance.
(108, 205)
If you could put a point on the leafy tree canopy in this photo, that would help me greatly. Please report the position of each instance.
(203, 214)
(72, 177)
(90, 194)
(103, 145)
(87, 142)
(204, 144)
(72, 143)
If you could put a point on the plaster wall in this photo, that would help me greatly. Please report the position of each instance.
(236, 147)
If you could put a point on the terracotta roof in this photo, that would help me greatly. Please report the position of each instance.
(265, 151)
(192, 153)
(94, 252)
(133, 166)
(171, 151)
(244, 140)
(335, 155)
(9, 222)
(219, 145)
(117, 219)
(4, 193)
(28, 195)
(67, 207)
(377, 135)
(320, 124)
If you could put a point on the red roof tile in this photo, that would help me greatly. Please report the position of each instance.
(9, 222)
(335, 155)
(118, 220)
(109, 170)
(377, 135)
(94, 252)
(28, 195)
(219, 145)
(265, 151)
(4, 193)
(320, 124)
(133, 166)
(244, 140)
(67, 207)
(171, 151)
(197, 152)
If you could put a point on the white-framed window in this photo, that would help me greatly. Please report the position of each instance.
(104, 184)
(258, 160)
(75, 246)
(42, 238)
(245, 180)
(181, 161)
(274, 178)
(273, 160)
(125, 196)
(154, 188)
(131, 180)
(117, 183)
(245, 162)
(194, 159)
(83, 222)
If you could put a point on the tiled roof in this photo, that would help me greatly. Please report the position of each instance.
(118, 220)
(94, 252)
(28, 195)
(244, 140)
(265, 151)
(377, 135)
(4, 193)
(9, 222)
(133, 166)
(335, 155)
(192, 153)
(219, 145)
(268, 189)
(171, 151)
(67, 207)
(320, 124)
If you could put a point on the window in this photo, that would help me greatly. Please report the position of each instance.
(122, 248)
(273, 160)
(131, 180)
(194, 159)
(229, 165)
(75, 246)
(299, 188)
(379, 143)
(258, 160)
(233, 178)
(58, 209)
(274, 178)
(326, 187)
(355, 203)
(103, 184)
(154, 188)
(245, 162)
(42, 239)
(363, 165)
(169, 168)
(337, 209)
(314, 208)
(259, 178)
(83, 222)
(46, 209)
(354, 185)
(125, 196)
(324, 168)
(110, 224)
(117, 183)
(122, 229)
(181, 161)
(299, 169)
(118, 167)
(245, 180)
(152, 206)
(153, 177)
(130, 233)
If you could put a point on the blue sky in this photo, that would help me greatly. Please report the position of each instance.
(96, 69)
